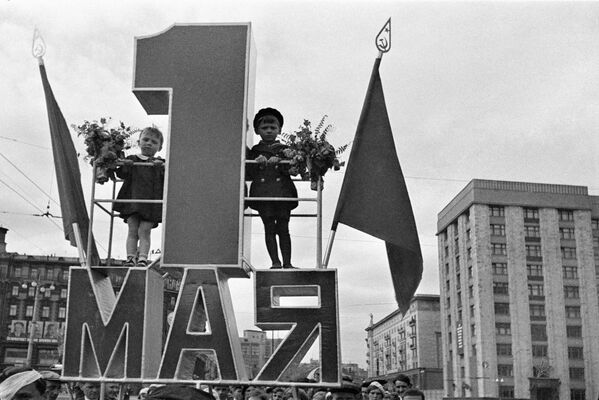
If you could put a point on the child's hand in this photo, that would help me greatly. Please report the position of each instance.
(158, 161)
(273, 160)
(126, 161)
(261, 160)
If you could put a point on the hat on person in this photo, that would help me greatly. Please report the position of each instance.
(346, 387)
(403, 378)
(178, 392)
(50, 376)
(268, 111)
(376, 385)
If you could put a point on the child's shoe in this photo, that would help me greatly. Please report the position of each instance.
(276, 265)
(130, 262)
(289, 266)
(142, 263)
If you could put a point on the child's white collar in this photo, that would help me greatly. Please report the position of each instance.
(145, 158)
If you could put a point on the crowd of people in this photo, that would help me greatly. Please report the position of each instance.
(23, 383)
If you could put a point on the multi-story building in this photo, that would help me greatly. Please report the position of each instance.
(408, 343)
(33, 305)
(518, 267)
(256, 348)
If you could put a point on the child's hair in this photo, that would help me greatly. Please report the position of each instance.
(152, 131)
(269, 119)
(271, 113)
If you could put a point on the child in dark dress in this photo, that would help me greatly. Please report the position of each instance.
(141, 182)
(271, 179)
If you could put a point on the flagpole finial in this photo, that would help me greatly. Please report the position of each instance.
(38, 46)
(383, 39)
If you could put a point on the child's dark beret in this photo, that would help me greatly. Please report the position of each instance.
(268, 111)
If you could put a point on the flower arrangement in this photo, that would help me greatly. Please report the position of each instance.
(310, 153)
(104, 145)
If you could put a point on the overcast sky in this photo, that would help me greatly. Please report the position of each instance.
(506, 91)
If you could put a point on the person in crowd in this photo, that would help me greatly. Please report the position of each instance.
(141, 182)
(53, 384)
(364, 390)
(112, 391)
(402, 383)
(271, 179)
(177, 392)
(238, 392)
(221, 392)
(91, 390)
(413, 394)
(277, 393)
(257, 394)
(21, 383)
(376, 391)
(347, 391)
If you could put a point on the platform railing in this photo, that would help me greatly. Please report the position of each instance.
(98, 202)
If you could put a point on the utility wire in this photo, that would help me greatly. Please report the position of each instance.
(20, 141)
(29, 179)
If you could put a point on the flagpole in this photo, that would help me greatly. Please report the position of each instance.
(327, 253)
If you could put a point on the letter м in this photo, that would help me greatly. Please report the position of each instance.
(113, 336)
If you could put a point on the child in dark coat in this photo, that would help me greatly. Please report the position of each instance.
(141, 182)
(271, 179)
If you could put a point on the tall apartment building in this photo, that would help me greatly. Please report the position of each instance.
(518, 267)
(409, 343)
(256, 348)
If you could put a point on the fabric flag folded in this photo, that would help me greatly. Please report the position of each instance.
(374, 198)
(68, 177)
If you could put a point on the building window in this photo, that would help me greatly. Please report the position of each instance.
(448, 302)
(497, 211)
(503, 329)
(62, 312)
(502, 308)
(47, 293)
(500, 288)
(577, 374)
(29, 311)
(472, 330)
(65, 276)
(531, 213)
(571, 292)
(33, 273)
(577, 394)
(573, 331)
(469, 253)
(446, 268)
(569, 253)
(449, 320)
(459, 297)
(595, 224)
(539, 350)
(470, 291)
(573, 312)
(470, 271)
(31, 291)
(506, 392)
(575, 353)
(505, 370)
(458, 280)
(570, 272)
(497, 229)
(504, 349)
(537, 311)
(498, 249)
(536, 289)
(538, 332)
(63, 293)
(472, 311)
(566, 215)
(12, 311)
(534, 269)
(468, 234)
(566, 233)
(16, 272)
(532, 231)
(15, 290)
(533, 250)
(499, 268)
(45, 312)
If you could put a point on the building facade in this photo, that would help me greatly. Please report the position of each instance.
(408, 343)
(33, 305)
(256, 348)
(518, 268)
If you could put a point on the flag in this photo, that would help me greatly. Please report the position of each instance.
(374, 198)
(68, 177)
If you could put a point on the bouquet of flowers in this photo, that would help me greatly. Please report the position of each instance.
(104, 145)
(310, 153)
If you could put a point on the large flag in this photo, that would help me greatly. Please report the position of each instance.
(374, 198)
(68, 177)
